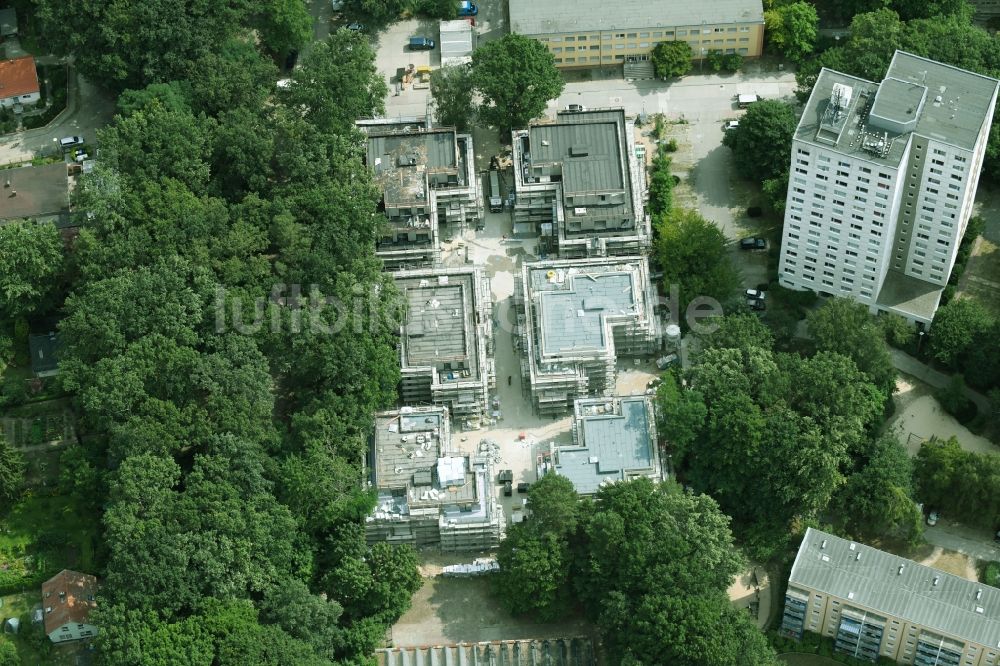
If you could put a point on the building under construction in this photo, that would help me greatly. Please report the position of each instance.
(446, 340)
(428, 494)
(429, 189)
(579, 185)
(575, 318)
(614, 439)
(577, 651)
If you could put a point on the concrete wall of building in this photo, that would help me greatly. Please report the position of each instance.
(24, 100)
(598, 48)
(899, 639)
(72, 631)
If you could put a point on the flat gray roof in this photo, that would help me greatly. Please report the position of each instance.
(409, 445)
(573, 318)
(440, 325)
(873, 121)
(587, 152)
(530, 17)
(435, 149)
(613, 441)
(893, 585)
(909, 294)
(966, 98)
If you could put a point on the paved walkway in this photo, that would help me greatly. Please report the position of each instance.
(911, 366)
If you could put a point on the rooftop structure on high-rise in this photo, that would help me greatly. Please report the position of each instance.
(882, 182)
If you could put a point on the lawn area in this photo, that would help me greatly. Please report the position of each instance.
(28, 641)
(43, 534)
(981, 279)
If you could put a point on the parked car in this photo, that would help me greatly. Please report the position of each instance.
(756, 294)
(753, 243)
(522, 488)
(756, 304)
(932, 517)
(996, 537)
(506, 476)
(508, 488)
(70, 142)
(421, 44)
(466, 8)
(730, 125)
(665, 362)
(337, 5)
(575, 108)
(356, 27)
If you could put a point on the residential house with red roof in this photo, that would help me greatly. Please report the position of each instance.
(19, 82)
(68, 598)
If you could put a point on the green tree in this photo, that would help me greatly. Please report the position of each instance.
(661, 183)
(671, 59)
(8, 654)
(957, 325)
(11, 472)
(233, 77)
(792, 29)
(955, 401)
(516, 77)
(739, 331)
(284, 25)
(534, 572)
(127, 45)
(31, 268)
(452, 88)
(647, 544)
(694, 256)
(680, 417)
(847, 328)
(898, 331)
(380, 11)
(377, 583)
(877, 500)
(554, 504)
(445, 10)
(964, 485)
(703, 630)
(732, 62)
(763, 141)
(344, 63)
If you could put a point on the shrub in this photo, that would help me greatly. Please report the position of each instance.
(732, 62)
(899, 333)
(715, 60)
(670, 146)
(991, 574)
(954, 400)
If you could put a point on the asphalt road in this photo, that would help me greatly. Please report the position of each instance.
(87, 110)
(966, 540)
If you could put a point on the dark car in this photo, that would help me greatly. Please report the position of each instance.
(753, 243)
(421, 44)
(523, 488)
(508, 489)
(356, 27)
(756, 304)
(291, 59)
(466, 8)
(505, 476)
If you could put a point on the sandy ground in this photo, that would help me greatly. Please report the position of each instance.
(453, 610)
(952, 562)
(743, 591)
(919, 417)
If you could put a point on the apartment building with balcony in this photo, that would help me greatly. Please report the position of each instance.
(579, 184)
(875, 604)
(594, 33)
(430, 191)
(428, 493)
(882, 182)
(446, 340)
(575, 319)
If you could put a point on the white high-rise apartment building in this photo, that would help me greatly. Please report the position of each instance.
(882, 182)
